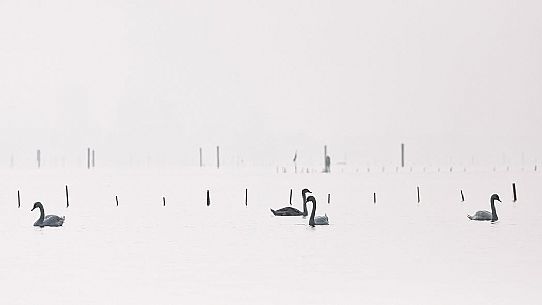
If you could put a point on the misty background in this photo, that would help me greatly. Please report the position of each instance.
(149, 82)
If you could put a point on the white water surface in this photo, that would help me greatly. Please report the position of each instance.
(393, 252)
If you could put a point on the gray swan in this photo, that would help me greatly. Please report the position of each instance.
(485, 215)
(47, 221)
(316, 220)
(289, 211)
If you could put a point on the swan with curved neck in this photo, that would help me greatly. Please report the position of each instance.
(316, 220)
(485, 215)
(289, 211)
(47, 221)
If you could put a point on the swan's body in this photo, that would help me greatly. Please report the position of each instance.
(49, 220)
(289, 211)
(486, 215)
(316, 220)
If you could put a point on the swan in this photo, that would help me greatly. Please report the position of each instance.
(47, 221)
(485, 215)
(316, 220)
(289, 211)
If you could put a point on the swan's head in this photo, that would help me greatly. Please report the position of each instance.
(37, 205)
(304, 192)
(311, 199)
(495, 197)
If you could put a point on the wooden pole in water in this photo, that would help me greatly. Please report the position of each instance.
(328, 198)
(218, 157)
(290, 196)
(164, 200)
(67, 198)
(402, 155)
(374, 198)
(117, 200)
(246, 197)
(93, 164)
(200, 157)
(418, 189)
(462, 197)
(514, 191)
(39, 158)
(18, 199)
(88, 157)
(208, 199)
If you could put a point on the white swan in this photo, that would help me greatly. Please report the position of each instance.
(485, 215)
(316, 220)
(49, 220)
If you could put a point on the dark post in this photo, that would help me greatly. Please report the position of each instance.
(402, 155)
(88, 158)
(246, 197)
(514, 191)
(200, 157)
(374, 198)
(328, 198)
(164, 200)
(18, 199)
(39, 158)
(93, 164)
(462, 197)
(290, 196)
(67, 200)
(218, 157)
(208, 199)
(418, 189)
(117, 200)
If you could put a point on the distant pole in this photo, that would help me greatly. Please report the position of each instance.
(208, 199)
(39, 158)
(514, 191)
(200, 157)
(246, 197)
(18, 199)
(164, 200)
(67, 199)
(328, 198)
(93, 164)
(418, 189)
(462, 197)
(374, 198)
(88, 158)
(117, 200)
(290, 196)
(402, 155)
(218, 157)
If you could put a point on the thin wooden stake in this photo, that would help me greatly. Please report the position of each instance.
(164, 200)
(462, 197)
(418, 189)
(246, 197)
(67, 198)
(328, 198)
(18, 199)
(208, 199)
(374, 198)
(514, 191)
(117, 200)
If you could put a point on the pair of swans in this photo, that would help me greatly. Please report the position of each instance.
(313, 220)
(485, 215)
(49, 220)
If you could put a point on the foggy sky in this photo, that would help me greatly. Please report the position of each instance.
(452, 79)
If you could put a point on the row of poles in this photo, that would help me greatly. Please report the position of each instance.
(515, 198)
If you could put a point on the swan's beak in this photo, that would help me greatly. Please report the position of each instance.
(32, 209)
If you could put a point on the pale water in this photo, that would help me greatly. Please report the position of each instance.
(393, 252)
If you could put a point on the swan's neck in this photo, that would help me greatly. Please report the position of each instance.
(494, 216)
(42, 214)
(305, 212)
(313, 212)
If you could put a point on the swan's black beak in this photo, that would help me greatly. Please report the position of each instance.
(32, 209)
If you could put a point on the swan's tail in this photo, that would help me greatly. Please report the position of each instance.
(273, 211)
(469, 217)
